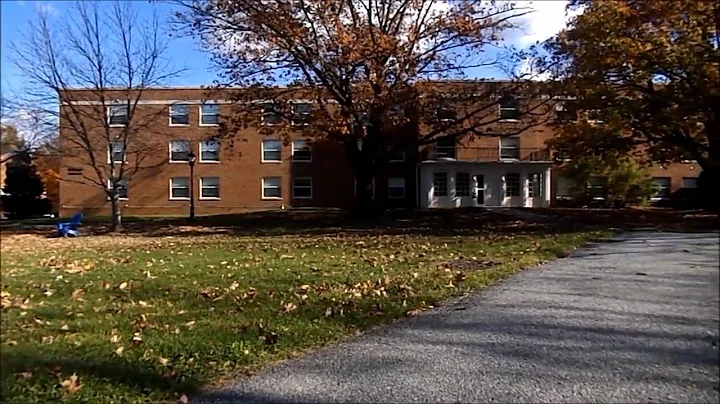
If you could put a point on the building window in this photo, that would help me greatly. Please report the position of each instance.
(272, 188)
(462, 184)
(512, 184)
(689, 182)
(509, 109)
(270, 114)
(179, 188)
(302, 188)
(179, 115)
(596, 187)
(564, 188)
(118, 115)
(271, 151)
(209, 188)
(565, 111)
(446, 148)
(209, 151)
(116, 152)
(445, 113)
(662, 185)
(121, 188)
(440, 182)
(509, 148)
(301, 151)
(209, 114)
(535, 185)
(396, 188)
(179, 150)
(301, 114)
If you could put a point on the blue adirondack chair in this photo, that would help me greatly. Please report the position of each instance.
(67, 228)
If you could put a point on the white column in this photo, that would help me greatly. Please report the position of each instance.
(548, 182)
(524, 185)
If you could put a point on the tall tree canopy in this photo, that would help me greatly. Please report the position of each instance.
(10, 141)
(650, 71)
(370, 68)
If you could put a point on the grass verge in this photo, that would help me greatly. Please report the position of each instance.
(137, 319)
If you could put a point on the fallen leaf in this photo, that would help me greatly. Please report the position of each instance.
(119, 351)
(123, 285)
(71, 386)
(289, 307)
(25, 375)
(115, 339)
(163, 361)
(65, 327)
(183, 399)
(190, 324)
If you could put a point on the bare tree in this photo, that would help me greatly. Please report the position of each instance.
(86, 75)
(370, 68)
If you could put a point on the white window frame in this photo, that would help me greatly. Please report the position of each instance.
(170, 143)
(200, 151)
(519, 182)
(304, 114)
(127, 190)
(265, 105)
(501, 147)
(262, 151)
(669, 188)
(404, 187)
(170, 115)
(447, 185)
(307, 143)
(110, 153)
(201, 114)
(469, 184)
(262, 189)
(127, 116)
(170, 194)
(201, 186)
(501, 109)
(295, 186)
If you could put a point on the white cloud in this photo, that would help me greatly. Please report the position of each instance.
(547, 19)
(46, 8)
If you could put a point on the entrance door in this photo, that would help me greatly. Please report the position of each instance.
(479, 189)
(536, 190)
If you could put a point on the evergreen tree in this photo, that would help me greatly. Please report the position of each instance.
(23, 189)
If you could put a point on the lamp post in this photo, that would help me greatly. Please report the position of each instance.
(191, 163)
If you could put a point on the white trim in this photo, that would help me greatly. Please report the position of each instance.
(170, 116)
(311, 188)
(200, 114)
(170, 160)
(262, 190)
(127, 190)
(200, 188)
(200, 150)
(292, 153)
(116, 125)
(170, 188)
(262, 114)
(262, 151)
(109, 153)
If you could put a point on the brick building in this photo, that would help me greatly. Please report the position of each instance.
(258, 169)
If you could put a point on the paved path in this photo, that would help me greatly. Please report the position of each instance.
(632, 320)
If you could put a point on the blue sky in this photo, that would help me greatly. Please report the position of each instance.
(15, 15)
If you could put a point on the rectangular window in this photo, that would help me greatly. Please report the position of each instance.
(446, 148)
(209, 114)
(301, 114)
(662, 186)
(179, 150)
(445, 113)
(479, 182)
(512, 184)
(209, 151)
(272, 188)
(302, 188)
(121, 188)
(596, 187)
(509, 148)
(209, 188)
(116, 153)
(301, 151)
(462, 184)
(689, 182)
(396, 188)
(118, 115)
(509, 109)
(270, 114)
(179, 188)
(271, 150)
(179, 115)
(535, 185)
(564, 187)
(565, 111)
(440, 187)
(594, 115)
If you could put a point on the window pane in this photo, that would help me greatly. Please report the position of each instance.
(509, 148)
(118, 115)
(689, 182)
(445, 113)
(302, 182)
(271, 187)
(180, 182)
(181, 192)
(210, 151)
(396, 187)
(462, 184)
(509, 108)
(440, 184)
(209, 109)
(446, 147)
(117, 154)
(179, 115)
(512, 184)
(662, 185)
(302, 187)
(272, 150)
(301, 150)
(179, 150)
(209, 114)
(180, 187)
(564, 185)
(210, 181)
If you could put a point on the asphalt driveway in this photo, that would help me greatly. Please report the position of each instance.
(631, 320)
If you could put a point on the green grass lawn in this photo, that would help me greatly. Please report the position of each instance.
(137, 318)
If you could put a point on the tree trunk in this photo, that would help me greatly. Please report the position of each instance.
(116, 213)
